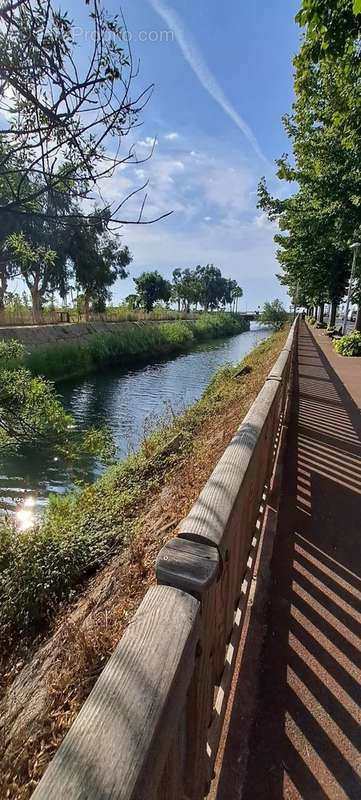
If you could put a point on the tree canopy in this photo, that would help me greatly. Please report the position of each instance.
(274, 314)
(152, 287)
(204, 286)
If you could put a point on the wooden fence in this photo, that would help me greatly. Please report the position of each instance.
(151, 727)
(24, 318)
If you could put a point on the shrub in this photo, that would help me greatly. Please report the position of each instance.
(11, 354)
(349, 345)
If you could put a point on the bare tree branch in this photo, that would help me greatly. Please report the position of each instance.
(65, 125)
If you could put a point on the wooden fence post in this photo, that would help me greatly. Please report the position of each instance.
(128, 731)
(195, 569)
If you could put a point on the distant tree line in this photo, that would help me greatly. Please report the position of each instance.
(199, 288)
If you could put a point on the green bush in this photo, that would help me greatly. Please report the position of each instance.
(349, 345)
(320, 325)
(11, 354)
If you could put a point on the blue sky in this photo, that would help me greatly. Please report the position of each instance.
(223, 79)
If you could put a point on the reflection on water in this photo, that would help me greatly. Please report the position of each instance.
(25, 514)
(127, 401)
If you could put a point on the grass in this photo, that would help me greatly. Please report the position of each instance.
(134, 342)
(42, 567)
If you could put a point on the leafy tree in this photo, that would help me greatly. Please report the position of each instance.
(36, 247)
(8, 269)
(30, 412)
(274, 314)
(330, 26)
(212, 288)
(237, 293)
(186, 288)
(98, 259)
(28, 406)
(17, 303)
(152, 287)
(231, 293)
(9, 224)
(35, 265)
(177, 287)
(132, 301)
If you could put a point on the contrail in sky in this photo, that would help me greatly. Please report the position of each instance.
(201, 70)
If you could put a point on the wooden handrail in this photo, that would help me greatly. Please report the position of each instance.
(151, 727)
(119, 745)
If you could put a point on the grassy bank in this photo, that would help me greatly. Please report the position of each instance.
(134, 342)
(41, 567)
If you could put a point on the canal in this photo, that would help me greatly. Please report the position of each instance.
(131, 402)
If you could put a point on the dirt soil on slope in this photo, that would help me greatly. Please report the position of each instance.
(46, 681)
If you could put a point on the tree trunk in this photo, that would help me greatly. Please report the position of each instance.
(86, 306)
(333, 310)
(322, 311)
(36, 304)
(358, 319)
(3, 281)
(315, 311)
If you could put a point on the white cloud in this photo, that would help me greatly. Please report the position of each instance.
(215, 220)
(226, 187)
(214, 184)
(197, 63)
(149, 141)
(177, 165)
(261, 221)
(171, 137)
